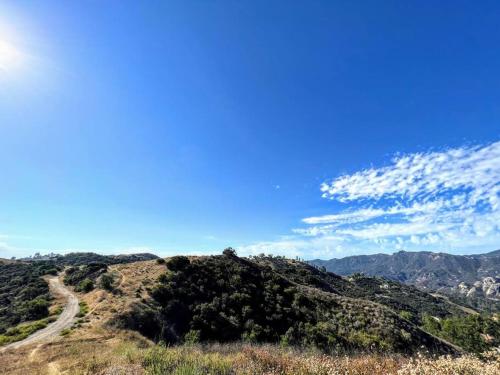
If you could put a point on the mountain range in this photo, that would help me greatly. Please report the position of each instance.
(469, 276)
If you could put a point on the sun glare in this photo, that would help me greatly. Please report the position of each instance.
(10, 57)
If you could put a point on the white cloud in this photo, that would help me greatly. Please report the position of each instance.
(349, 217)
(425, 175)
(447, 200)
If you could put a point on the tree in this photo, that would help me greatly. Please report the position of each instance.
(36, 309)
(106, 282)
(230, 252)
(85, 286)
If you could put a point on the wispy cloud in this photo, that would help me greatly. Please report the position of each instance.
(424, 176)
(440, 200)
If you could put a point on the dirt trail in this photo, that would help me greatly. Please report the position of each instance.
(463, 308)
(54, 329)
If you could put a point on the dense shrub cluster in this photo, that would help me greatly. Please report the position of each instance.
(477, 303)
(227, 298)
(83, 278)
(23, 330)
(410, 302)
(107, 282)
(79, 259)
(24, 294)
(474, 333)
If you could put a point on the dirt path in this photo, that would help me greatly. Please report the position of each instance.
(463, 308)
(54, 329)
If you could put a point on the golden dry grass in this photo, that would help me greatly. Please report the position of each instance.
(127, 353)
(132, 279)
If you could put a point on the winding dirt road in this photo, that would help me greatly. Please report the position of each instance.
(54, 329)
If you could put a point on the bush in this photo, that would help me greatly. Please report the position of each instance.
(36, 309)
(84, 310)
(192, 337)
(467, 332)
(79, 275)
(178, 263)
(106, 282)
(160, 261)
(52, 271)
(22, 331)
(406, 315)
(85, 286)
(23, 294)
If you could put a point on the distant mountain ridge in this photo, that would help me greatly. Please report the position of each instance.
(475, 275)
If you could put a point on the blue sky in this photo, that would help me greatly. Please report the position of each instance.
(318, 129)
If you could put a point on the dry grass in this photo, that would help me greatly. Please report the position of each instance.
(132, 279)
(126, 353)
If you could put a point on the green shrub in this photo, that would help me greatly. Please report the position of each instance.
(35, 309)
(52, 271)
(84, 309)
(22, 331)
(23, 293)
(76, 275)
(192, 337)
(85, 286)
(106, 282)
(178, 263)
(467, 332)
(58, 311)
(65, 331)
(406, 315)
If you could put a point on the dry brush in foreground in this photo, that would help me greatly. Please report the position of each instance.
(235, 359)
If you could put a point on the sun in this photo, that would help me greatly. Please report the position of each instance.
(10, 57)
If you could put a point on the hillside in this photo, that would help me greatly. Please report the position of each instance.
(406, 300)
(227, 298)
(24, 294)
(470, 276)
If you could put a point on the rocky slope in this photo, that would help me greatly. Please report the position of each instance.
(488, 287)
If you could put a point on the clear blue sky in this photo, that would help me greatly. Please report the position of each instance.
(189, 126)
